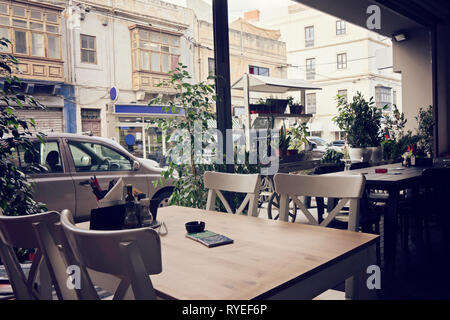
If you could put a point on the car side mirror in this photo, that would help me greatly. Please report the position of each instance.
(136, 165)
(312, 146)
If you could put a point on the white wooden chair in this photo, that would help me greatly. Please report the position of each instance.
(241, 183)
(349, 189)
(59, 256)
(130, 255)
(18, 232)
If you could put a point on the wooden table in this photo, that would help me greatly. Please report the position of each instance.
(268, 259)
(407, 178)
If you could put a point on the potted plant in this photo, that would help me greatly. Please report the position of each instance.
(356, 119)
(298, 142)
(295, 107)
(277, 106)
(284, 143)
(425, 129)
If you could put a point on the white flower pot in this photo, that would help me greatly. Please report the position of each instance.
(360, 154)
(376, 154)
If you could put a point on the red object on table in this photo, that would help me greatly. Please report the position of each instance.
(382, 170)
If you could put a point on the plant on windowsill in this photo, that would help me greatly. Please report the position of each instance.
(361, 121)
(295, 107)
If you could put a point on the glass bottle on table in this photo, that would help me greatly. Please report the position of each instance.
(131, 219)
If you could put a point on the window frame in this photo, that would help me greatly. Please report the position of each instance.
(309, 41)
(341, 65)
(120, 152)
(258, 70)
(310, 72)
(88, 49)
(383, 92)
(308, 102)
(341, 27)
(28, 20)
(154, 48)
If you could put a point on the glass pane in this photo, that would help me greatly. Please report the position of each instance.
(19, 23)
(144, 45)
(83, 42)
(165, 39)
(84, 56)
(4, 20)
(4, 33)
(154, 37)
(175, 50)
(91, 42)
(20, 38)
(165, 63)
(3, 8)
(52, 157)
(51, 28)
(36, 14)
(175, 62)
(96, 157)
(36, 26)
(145, 60)
(37, 44)
(52, 17)
(164, 49)
(144, 35)
(91, 56)
(155, 62)
(19, 11)
(175, 41)
(154, 47)
(136, 62)
(53, 47)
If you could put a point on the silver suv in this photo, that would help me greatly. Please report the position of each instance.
(71, 160)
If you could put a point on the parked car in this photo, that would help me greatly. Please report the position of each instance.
(320, 144)
(338, 145)
(71, 160)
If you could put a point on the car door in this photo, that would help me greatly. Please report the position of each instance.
(53, 185)
(91, 158)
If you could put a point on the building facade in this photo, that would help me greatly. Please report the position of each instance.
(339, 57)
(253, 50)
(35, 30)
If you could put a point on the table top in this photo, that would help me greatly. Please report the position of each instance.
(265, 255)
(396, 174)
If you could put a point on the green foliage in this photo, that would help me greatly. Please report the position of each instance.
(360, 120)
(196, 102)
(395, 123)
(388, 146)
(425, 129)
(298, 133)
(332, 156)
(284, 139)
(15, 189)
(401, 146)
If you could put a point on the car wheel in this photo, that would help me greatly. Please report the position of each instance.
(164, 198)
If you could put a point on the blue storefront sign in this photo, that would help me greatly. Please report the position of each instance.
(145, 109)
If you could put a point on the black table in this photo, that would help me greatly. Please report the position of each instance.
(397, 178)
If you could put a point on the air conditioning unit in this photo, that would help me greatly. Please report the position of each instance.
(140, 95)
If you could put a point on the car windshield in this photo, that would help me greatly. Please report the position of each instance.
(320, 142)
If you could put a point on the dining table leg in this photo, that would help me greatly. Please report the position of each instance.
(390, 231)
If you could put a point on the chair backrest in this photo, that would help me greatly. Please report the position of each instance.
(18, 232)
(241, 183)
(438, 177)
(131, 255)
(349, 189)
(60, 260)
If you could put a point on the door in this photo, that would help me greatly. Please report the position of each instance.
(91, 159)
(53, 184)
(93, 126)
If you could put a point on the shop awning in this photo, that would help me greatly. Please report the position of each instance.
(144, 109)
(274, 85)
(334, 127)
(315, 126)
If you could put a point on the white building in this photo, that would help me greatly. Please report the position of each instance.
(129, 46)
(338, 56)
